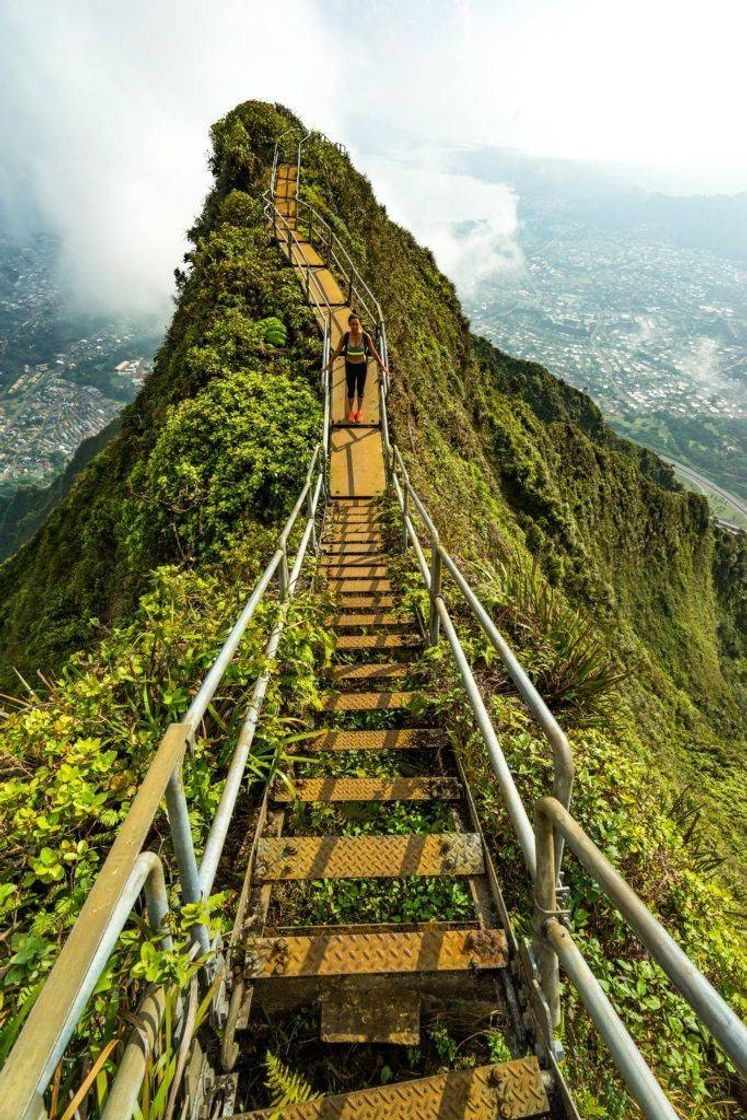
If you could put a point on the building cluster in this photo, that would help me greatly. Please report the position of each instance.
(48, 407)
(640, 327)
(44, 417)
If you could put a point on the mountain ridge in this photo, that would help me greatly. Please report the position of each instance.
(564, 528)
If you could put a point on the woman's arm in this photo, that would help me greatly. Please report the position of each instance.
(335, 355)
(375, 353)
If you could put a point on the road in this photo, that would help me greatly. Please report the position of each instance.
(706, 483)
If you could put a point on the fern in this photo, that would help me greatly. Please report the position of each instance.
(285, 1085)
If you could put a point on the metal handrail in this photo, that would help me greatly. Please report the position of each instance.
(554, 828)
(346, 267)
(554, 942)
(83, 957)
(563, 766)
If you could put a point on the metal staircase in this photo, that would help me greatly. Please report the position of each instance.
(372, 985)
(373, 981)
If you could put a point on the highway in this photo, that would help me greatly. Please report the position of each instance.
(706, 483)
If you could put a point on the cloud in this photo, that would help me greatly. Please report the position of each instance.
(106, 119)
(107, 107)
(470, 225)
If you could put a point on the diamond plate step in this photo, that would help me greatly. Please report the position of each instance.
(378, 641)
(339, 508)
(367, 570)
(376, 671)
(369, 618)
(368, 857)
(367, 701)
(399, 740)
(345, 561)
(360, 601)
(352, 536)
(336, 953)
(370, 789)
(361, 549)
(359, 585)
(355, 516)
(511, 1090)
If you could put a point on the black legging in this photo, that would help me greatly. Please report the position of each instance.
(355, 379)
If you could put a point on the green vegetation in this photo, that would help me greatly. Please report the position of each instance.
(716, 450)
(627, 606)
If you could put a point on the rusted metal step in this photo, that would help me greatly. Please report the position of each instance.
(509, 1090)
(391, 1018)
(397, 740)
(340, 953)
(368, 618)
(384, 670)
(378, 641)
(368, 857)
(350, 586)
(370, 789)
(367, 701)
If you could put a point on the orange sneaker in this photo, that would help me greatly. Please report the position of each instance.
(351, 418)
(359, 416)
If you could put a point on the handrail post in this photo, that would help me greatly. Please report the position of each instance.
(545, 909)
(434, 626)
(405, 515)
(350, 287)
(184, 851)
(284, 574)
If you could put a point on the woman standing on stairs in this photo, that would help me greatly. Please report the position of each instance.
(357, 346)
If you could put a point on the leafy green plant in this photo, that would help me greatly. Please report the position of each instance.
(570, 660)
(285, 1085)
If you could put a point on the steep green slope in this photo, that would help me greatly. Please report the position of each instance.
(212, 449)
(531, 490)
(521, 468)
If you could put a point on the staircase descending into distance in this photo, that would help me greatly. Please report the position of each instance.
(374, 829)
(356, 455)
(373, 980)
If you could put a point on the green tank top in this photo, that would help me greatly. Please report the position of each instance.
(356, 353)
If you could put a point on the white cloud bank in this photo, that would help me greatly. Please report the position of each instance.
(106, 114)
(107, 105)
(471, 226)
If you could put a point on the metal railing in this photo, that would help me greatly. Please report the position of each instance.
(129, 868)
(543, 845)
(554, 943)
(432, 573)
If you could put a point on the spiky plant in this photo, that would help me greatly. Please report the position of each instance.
(287, 1086)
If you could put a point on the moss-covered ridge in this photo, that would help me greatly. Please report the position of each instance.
(525, 481)
(518, 468)
(213, 448)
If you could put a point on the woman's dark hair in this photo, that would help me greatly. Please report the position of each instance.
(353, 315)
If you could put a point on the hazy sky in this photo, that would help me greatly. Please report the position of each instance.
(106, 105)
